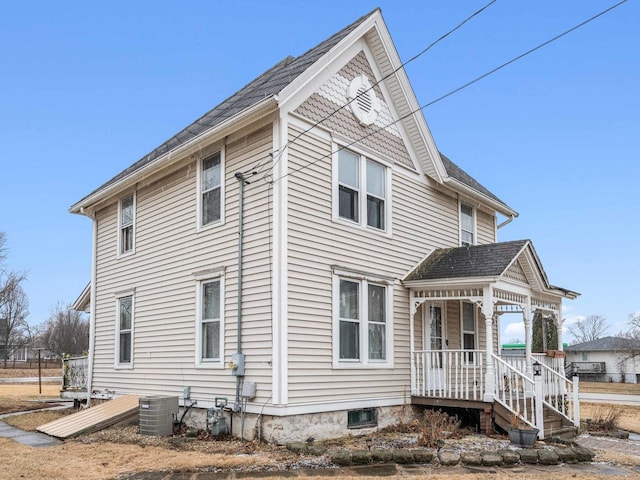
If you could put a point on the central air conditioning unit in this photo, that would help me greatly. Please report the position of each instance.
(157, 415)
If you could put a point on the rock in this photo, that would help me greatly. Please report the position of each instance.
(297, 447)
(528, 456)
(382, 456)
(491, 459)
(583, 454)
(509, 457)
(317, 450)
(448, 458)
(566, 455)
(342, 459)
(403, 455)
(548, 457)
(471, 459)
(422, 456)
(360, 457)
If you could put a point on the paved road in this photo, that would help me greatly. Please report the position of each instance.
(610, 398)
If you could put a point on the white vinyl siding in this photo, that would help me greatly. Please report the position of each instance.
(422, 218)
(170, 258)
(126, 224)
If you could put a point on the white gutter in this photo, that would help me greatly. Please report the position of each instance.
(259, 109)
(506, 222)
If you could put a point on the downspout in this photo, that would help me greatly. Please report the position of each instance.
(506, 222)
(92, 303)
(241, 178)
(239, 356)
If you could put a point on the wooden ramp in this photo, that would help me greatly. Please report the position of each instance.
(93, 419)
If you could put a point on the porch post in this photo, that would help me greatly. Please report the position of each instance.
(528, 337)
(489, 376)
(558, 322)
(412, 318)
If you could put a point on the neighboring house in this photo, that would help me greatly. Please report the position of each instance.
(321, 267)
(608, 359)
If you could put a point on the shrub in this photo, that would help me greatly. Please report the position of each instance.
(435, 426)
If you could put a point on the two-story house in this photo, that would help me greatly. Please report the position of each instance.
(305, 251)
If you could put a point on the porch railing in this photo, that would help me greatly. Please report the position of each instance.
(515, 391)
(560, 394)
(519, 363)
(74, 373)
(453, 374)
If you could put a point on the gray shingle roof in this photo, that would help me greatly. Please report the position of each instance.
(270, 83)
(474, 261)
(604, 344)
(459, 174)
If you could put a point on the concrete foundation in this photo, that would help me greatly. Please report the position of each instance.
(319, 426)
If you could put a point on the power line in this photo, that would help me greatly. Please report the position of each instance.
(261, 165)
(451, 92)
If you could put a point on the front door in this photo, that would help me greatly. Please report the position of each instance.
(435, 343)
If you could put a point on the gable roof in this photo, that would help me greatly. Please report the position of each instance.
(604, 344)
(267, 86)
(488, 260)
(454, 171)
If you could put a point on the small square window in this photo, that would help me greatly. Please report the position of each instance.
(362, 418)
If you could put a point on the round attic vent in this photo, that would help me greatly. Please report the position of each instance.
(364, 103)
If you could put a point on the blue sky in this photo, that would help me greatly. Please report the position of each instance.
(87, 89)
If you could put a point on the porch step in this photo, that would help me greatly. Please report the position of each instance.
(554, 424)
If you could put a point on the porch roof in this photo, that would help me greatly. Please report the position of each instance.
(515, 261)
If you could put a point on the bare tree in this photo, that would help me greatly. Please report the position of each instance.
(13, 320)
(591, 328)
(66, 331)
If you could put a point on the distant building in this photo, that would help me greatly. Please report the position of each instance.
(608, 359)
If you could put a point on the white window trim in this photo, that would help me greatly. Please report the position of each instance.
(475, 217)
(364, 361)
(476, 337)
(116, 360)
(362, 190)
(201, 279)
(199, 225)
(120, 253)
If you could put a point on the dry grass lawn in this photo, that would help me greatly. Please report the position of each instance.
(628, 416)
(18, 397)
(29, 372)
(106, 456)
(609, 387)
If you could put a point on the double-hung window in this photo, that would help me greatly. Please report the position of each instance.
(211, 189)
(124, 331)
(467, 225)
(363, 330)
(362, 191)
(210, 331)
(126, 224)
(468, 330)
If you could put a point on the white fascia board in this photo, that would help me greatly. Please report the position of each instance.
(412, 100)
(467, 190)
(330, 57)
(444, 283)
(247, 116)
(83, 300)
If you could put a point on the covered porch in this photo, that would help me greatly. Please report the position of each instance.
(457, 296)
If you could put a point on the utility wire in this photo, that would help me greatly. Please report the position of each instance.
(448, 94)
(419, 54)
